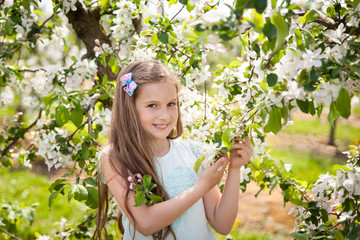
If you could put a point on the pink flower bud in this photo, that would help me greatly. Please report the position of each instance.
(138, 176)
(139, 180)
(132, 186)
(130, 178)
(97, 41)
(37, 35)
(4, 59)
(96, 49)
(21, 42)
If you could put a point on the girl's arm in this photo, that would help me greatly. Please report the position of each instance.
(221, 210)
(150, 219)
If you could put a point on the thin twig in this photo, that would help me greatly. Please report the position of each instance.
(9, 234)
(91, 112)
(68, 138)
(177, 13)
(17, 138)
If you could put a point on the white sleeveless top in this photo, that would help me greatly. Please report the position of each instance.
(177, 174)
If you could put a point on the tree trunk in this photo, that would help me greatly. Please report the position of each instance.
(87, 26)
(332, 134)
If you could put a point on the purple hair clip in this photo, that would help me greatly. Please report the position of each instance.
(129, 85)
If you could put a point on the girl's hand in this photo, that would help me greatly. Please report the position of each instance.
(242, 150)
(213, 174)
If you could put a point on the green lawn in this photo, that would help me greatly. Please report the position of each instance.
(306, 164)
(345, 134)
(26, 188)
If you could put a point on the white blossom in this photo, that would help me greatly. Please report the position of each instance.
(123, 18)
(44, 237)
(104, 119)
(244, 174)
(6, 96)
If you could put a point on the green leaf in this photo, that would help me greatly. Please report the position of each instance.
(171, 2)
(241, 4)
(93, 199)
(61, 115)
(85, 153)
(184, 2)
(146, 180)
(155, 39)
(52, 197)
(338, 235)
(324, 215)
(155, 198)
(260, 5)
(190, 7)
(282, 30)
(76, 115)
(144, 33)
(303, 105)
(269, 30)
(91, 181)
(343, 103)
(299, 236)
(139, 198)
(274, 123)
(271, 79)
(113, 65)
(80, 193)
(198, 163)
(104, 4)
(341, 167)
(163, 37)
(227, 136)
(333, 114)
(8, 26)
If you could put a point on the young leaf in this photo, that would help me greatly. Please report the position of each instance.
(80, 192)
(303, 105)
(333, 114)
(139, 198)
(227, 137)
(155, 198)
(274, 123)
(146, 180)
(343, 103)
(271, 79)
(93, 199)
(163, 37)
(198, 163)
(61, 115)
(282, 30)
(76, 115)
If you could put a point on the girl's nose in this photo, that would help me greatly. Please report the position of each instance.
(164, 114)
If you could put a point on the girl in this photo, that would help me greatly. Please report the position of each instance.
(145, 122)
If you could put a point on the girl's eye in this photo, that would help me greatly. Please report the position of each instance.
(172, 104)
(151, 106)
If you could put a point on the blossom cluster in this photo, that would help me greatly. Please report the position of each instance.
(122, 23)
(334, 193)
(50, 151)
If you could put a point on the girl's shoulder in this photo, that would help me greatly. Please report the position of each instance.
(103, 163)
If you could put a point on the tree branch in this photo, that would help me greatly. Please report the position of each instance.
(323, 20)
(9, 234)
(17, 138)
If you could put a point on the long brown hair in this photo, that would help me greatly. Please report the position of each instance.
(129, 142)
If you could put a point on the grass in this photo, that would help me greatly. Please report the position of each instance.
(26, 188)
(345, 133)
(304, 160)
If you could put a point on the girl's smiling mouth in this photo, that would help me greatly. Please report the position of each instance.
(160, 126)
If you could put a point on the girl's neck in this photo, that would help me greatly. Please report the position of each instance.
(161, 148)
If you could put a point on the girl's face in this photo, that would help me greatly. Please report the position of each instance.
(156, 105)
